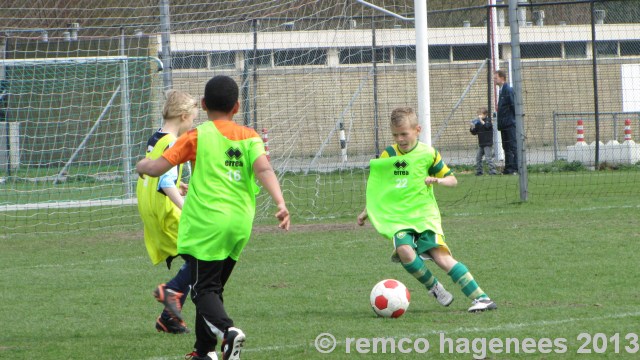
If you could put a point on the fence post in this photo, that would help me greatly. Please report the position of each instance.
(165, 36)
(519, 104)
(254, 30)
(555, 137)
(596, 108)
(126, 118)
(374, 68)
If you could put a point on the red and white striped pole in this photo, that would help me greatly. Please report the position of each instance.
(627, 130)
(580, 133)
(265, 140)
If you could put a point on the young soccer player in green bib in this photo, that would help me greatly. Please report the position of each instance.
(218, 212)
(159, 204)
(402, 207)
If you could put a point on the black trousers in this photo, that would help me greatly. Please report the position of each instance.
(510, 147)
(208, 279)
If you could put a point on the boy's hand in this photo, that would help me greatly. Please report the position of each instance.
(431, 180)
(139, 166)
(362, 217)
(283, 216)
(183, 189)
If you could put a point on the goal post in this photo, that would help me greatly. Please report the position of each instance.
(15, 70)
(82, 122)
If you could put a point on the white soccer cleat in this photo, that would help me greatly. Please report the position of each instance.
(442, 296)
(482, 304)
(232, 344)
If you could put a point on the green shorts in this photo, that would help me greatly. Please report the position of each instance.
(421, 243)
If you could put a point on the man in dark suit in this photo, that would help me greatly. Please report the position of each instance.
(507, 122)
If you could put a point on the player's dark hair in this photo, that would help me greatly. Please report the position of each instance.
(502, 73)
(221, 94)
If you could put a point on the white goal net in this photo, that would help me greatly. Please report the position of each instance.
(81, 86)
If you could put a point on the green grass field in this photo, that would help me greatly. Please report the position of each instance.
(556, 266)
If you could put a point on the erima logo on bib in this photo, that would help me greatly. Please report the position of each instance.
(400, 165)
(233, 153)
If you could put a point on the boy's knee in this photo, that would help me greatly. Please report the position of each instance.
(406, 253)
(443, 258)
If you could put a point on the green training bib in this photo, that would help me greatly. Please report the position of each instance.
(397, 197)
(159, 214)
(217, 216)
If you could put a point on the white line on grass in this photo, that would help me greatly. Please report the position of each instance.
(463, 330)
(554, 210)
(89, 263)
(544, 323)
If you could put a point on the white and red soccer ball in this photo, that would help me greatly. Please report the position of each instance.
(390, 298)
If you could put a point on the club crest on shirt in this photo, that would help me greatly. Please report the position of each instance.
(401, 166)
(233, 155)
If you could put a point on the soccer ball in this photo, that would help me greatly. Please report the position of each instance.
(390, 298)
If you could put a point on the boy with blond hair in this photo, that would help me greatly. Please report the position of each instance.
(160, 204)
(402, 207)
(218, 215)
